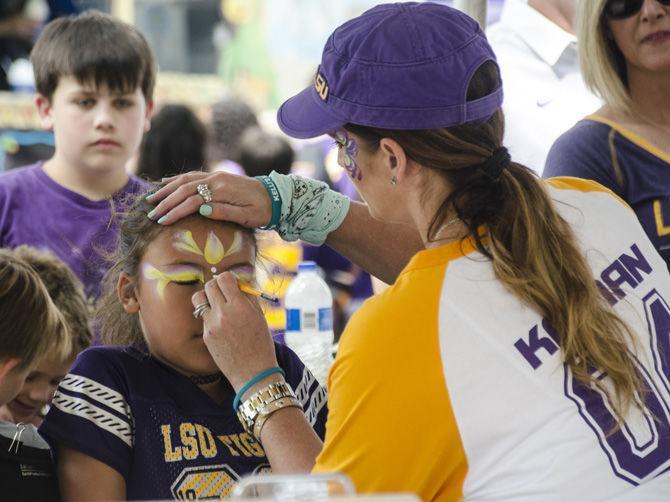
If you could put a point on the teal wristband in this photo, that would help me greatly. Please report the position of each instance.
(254, 381)
(276, 202)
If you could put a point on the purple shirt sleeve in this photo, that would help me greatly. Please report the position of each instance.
(90, 412)
(583, 152)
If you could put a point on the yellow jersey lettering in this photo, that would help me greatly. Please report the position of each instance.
(190, 448)
(206, 441)
(239, 445)
(229, 444)
(252, 445)
(661, 228)
(171, 455)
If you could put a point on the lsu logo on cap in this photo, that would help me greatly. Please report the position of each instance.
(321, 85)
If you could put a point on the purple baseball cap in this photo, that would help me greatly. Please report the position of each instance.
(397, 66)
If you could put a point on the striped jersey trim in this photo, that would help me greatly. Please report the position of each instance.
(302, 390)
(316, 404)
(318, 399)
(101, 418)
(97, 393)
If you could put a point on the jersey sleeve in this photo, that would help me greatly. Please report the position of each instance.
(310, 393)
(90, 412)
(390, 424)
(584, 152)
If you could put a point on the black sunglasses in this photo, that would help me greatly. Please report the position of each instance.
(621, 9)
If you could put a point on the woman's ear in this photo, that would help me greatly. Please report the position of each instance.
(125, 289)
(394, 158)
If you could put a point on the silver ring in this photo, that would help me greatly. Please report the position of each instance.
(201, 309)
(205, 192)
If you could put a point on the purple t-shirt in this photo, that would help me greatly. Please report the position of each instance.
(37, 211)
(164, 435)
(632, 169)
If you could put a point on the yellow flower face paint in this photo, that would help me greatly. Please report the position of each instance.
(186, 242)
(214, 250)
(180, 274)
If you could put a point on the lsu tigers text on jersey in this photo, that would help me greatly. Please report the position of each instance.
(448, 386)
(165, 436)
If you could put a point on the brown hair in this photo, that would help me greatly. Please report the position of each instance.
(96, 48)
(136, 233)
(30, 324)
(518, 215)
(65, 290)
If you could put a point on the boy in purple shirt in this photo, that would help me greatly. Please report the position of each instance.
(95, 79)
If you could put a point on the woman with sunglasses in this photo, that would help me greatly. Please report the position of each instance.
(625, 146)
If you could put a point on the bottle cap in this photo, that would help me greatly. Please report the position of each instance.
(305, 266)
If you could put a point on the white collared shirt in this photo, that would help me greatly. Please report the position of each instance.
(544, 91)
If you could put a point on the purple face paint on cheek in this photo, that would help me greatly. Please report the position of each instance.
(346, 155)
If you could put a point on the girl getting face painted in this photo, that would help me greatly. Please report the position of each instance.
(174, 265)
(163, 385)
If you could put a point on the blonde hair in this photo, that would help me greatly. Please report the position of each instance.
(534, 251)
(65, 290)
(602, 63)
(30, 323)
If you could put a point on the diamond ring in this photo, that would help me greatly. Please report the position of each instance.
(205, 192)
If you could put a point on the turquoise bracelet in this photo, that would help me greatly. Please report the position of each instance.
(276, 202)
(254, 381)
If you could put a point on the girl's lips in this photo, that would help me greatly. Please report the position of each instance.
(659, 36)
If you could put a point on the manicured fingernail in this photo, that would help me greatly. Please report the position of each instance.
(149, 197)
(162, 220)
(151, 214)
(205, 210)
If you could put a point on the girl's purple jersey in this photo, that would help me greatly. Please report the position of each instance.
(165, 436)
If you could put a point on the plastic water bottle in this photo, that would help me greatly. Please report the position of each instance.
(309, 320)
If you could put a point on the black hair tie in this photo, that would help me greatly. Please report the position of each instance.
(493, 167)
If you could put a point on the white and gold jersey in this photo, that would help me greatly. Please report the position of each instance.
(447, 385)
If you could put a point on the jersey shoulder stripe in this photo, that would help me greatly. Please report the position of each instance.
(97, 393)
(103, 419)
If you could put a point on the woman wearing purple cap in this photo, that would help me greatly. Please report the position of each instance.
(522, 353)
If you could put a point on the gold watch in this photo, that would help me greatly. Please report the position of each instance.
(249, 410)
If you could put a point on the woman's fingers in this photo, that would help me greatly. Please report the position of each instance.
(215, 296)
(239, 199)
(199, 298)
(189, 206)
(227, 212)
(175, 182)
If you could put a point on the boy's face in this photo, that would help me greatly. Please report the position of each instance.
(174, 266)
(12, 377)
(38, 390)
(96, 130)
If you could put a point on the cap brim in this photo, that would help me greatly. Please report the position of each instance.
(302, 116)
